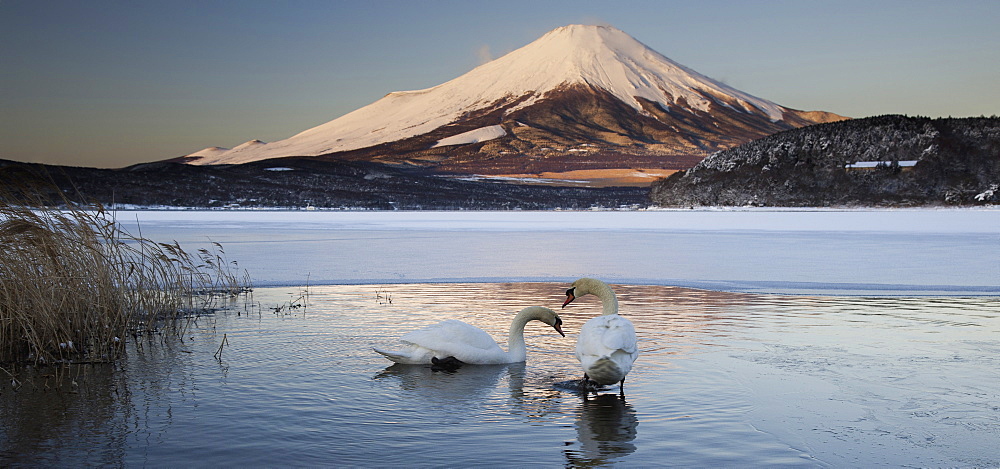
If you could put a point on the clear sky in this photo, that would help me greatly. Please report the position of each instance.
(112, 83)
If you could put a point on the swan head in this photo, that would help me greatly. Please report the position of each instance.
(583, 286)
(592, 286)
(557, 325)
(545, 315)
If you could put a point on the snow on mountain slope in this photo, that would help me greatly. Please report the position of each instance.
(210, 152)
(599, 56)
(481, 134)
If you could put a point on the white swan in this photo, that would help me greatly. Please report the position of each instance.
(468, 344)
(607, 345)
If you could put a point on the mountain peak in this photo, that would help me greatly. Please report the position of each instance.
(585, 32)
(608, 58)
(589, 36)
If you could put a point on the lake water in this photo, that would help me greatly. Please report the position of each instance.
(844, 379)
(723, 379)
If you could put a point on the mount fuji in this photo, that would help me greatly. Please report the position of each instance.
(578, 98)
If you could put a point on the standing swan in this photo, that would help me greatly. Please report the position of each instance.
(607, 345)
(455, 340)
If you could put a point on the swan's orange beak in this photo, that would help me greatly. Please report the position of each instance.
(558, 327)
(569, 297)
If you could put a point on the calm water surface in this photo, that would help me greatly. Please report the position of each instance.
(723, 379)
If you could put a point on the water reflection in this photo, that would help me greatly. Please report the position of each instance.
(58, 404)
(465, 383)
(509, 388)
(606, 426)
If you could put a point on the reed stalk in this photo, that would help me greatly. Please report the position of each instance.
(74, 284)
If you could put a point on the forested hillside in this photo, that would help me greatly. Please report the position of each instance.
(957, 162)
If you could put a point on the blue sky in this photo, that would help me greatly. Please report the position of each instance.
(113, 83)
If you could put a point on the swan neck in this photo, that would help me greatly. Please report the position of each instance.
(516, 347)
(609, 301)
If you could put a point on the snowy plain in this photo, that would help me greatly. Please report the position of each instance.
(870, 251)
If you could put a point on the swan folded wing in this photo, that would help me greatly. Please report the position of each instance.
(620, 335)
(452, 338)
(604, 335)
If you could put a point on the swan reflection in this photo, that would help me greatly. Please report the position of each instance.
(465, 383)
(504, 388)
(606, 425)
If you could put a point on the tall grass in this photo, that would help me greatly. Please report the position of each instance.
(74, 285)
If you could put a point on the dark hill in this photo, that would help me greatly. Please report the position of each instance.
(957, 163)
(290, 182)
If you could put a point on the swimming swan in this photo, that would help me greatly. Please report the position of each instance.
(455, 340)
(607, 345)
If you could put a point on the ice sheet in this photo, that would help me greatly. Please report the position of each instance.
(911, 252)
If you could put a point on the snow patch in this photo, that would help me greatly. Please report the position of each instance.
(209, 152)
(876, 164)
(251, 144)
(481, 134)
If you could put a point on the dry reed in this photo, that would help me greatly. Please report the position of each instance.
(74, 284)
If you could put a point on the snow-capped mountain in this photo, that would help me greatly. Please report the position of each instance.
(579, 96)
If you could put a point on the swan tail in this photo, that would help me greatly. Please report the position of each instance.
(397, 356)
(605, 371)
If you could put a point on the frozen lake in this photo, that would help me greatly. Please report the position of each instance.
(876, 345)
(820, 251)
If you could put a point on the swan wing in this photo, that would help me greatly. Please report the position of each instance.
(605, 334)
(453, 338)
(620, 335)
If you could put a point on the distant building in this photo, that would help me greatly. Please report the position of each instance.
(870, 165)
